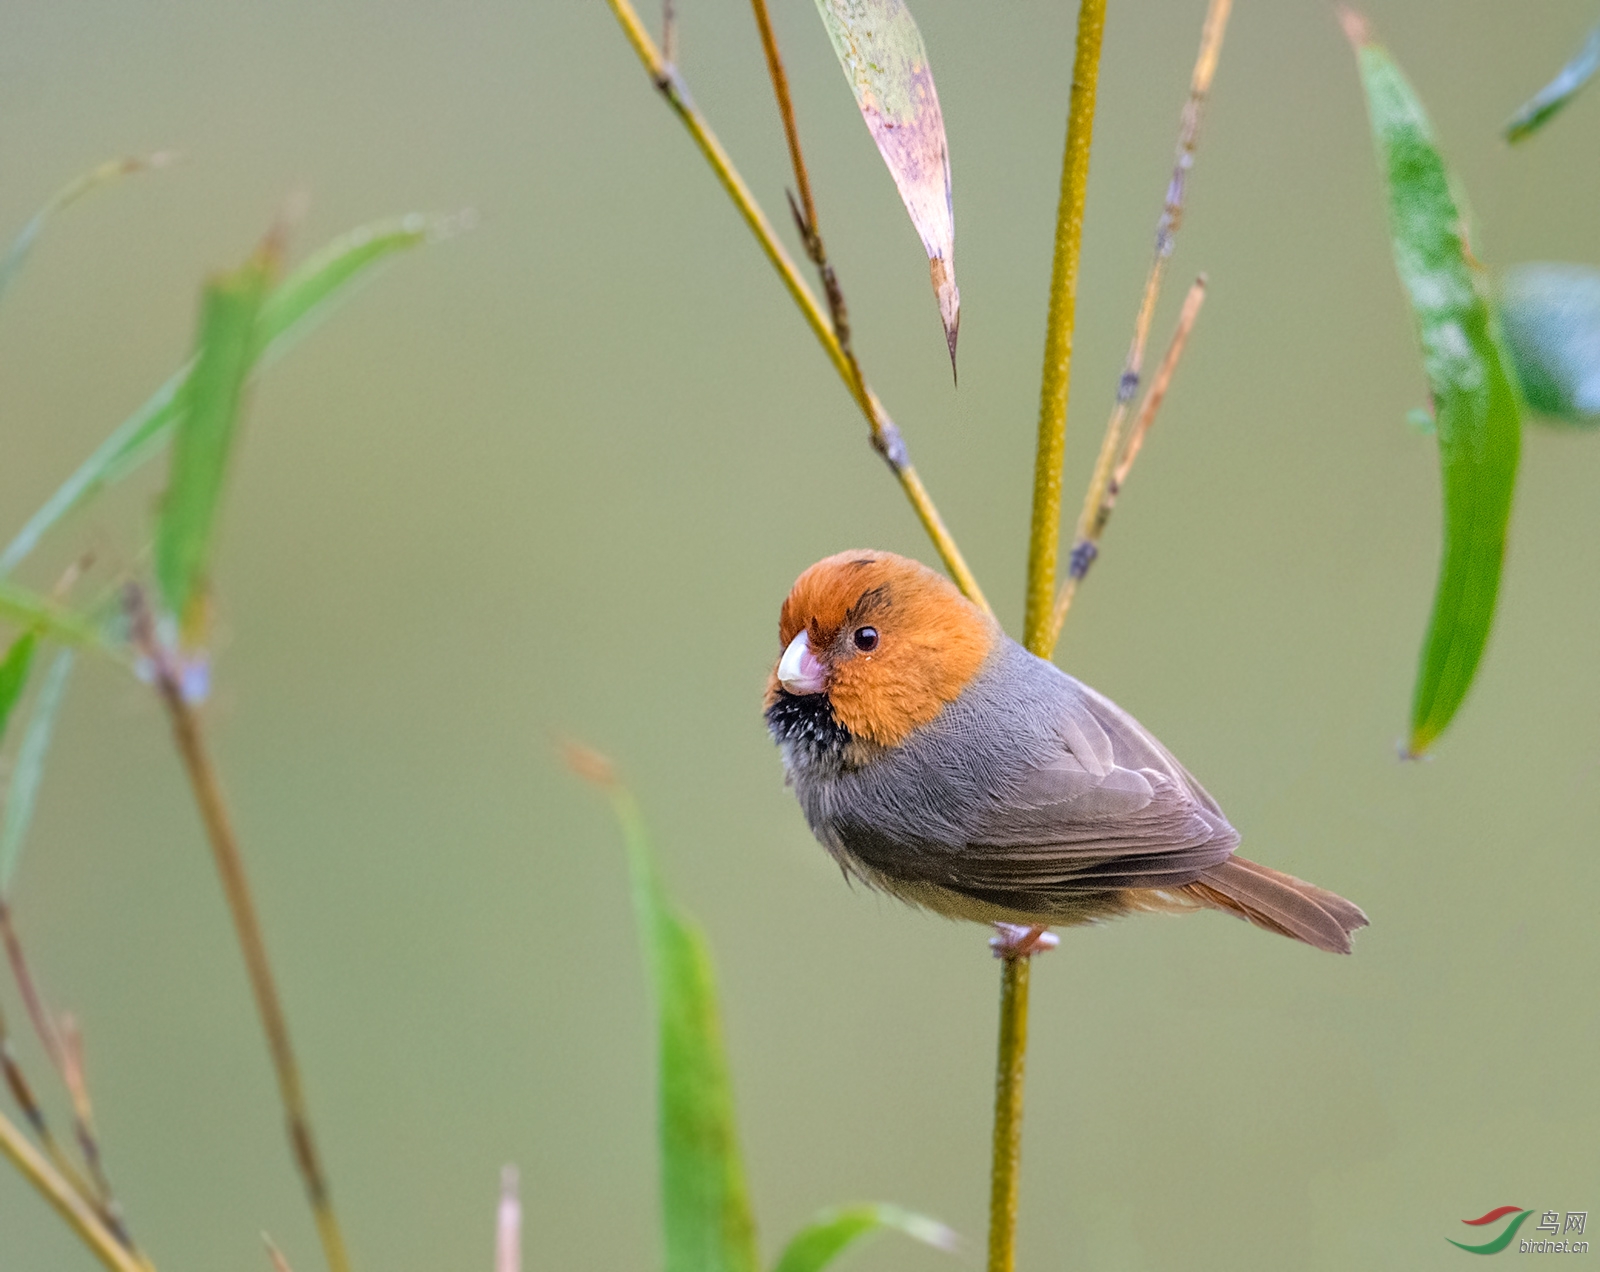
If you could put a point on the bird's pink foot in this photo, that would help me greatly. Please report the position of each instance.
(1018, 940)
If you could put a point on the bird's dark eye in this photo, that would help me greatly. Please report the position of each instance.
(866, 639)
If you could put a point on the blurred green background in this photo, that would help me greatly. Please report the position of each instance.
(554, 477)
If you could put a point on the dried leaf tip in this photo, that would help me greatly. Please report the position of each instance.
(949, 297)
(590, 765)
(1356, 27)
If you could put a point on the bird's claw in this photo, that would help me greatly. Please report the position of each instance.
(1019, 940)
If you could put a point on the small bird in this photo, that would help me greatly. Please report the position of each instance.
(938, 760)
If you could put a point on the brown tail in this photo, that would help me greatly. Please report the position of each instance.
(1280, 903)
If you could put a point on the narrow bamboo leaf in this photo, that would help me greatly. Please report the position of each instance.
(705, 1209)
(29, 770)
(1538, 109)
(312, 289)
(11, 264)
(213, 396)
(881, 51)
(1474, 405)
(14, 675)
(297, 304)
(1550, 320)
(830, 1233)
(34, 611)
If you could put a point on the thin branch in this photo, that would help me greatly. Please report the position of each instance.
(75, 1077)
(1205, 67)
(1154, 398)
(1086, 549)
(207, 787)
(669, 32)
(32, 1110)
(803, 206)
(39, 1016)
(1045, 527)
(885, 434)
(60, 1044)
(780, 90)
(77, 1212)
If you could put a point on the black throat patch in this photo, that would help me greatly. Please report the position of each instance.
(805, 724)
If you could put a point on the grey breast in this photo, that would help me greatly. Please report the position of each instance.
(1029, 782)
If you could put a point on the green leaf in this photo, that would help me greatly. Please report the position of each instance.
(35, 611)
(1474, 405)
(881, 51)
(304, 297)
(14, 675)
(213, 396)
(833, 1231)
(113, 170)
(312, 289)
(29, 770)
(705, 1209)
(1550, 322)
(1538, 109)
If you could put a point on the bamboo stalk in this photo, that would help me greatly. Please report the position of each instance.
(1013, 1051)
(1043, 543)
(1055, 384)
(885, 434)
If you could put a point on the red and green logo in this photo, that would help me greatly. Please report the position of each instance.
(1507, 1235)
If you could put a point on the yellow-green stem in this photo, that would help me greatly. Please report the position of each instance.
(73, 1208)
(886, 439)
(1043, 545)
(1045, 531)
(1013, 1052)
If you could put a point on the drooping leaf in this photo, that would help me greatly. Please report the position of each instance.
(833, 1231)
(213, 396)
(11, 264)
(29, 770)
(14, 675)
(1538, 109)
(1474, 405)
(1550, 322)
(705, 1209)
(308, 293)
(881, 51)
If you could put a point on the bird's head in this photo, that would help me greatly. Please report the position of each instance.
(876, 643)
